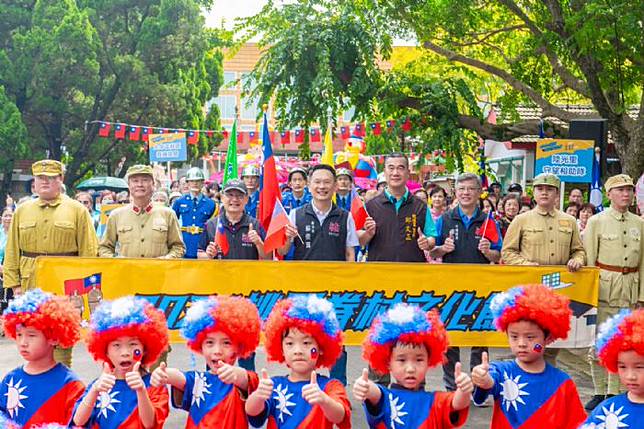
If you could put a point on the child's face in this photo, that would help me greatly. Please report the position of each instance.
(121, 353)
(301, 351)
(527, 341)
(630, 368)
(216, 347)
(32, 344)
(409, 364)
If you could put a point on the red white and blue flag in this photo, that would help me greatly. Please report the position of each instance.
(489, 229)
(83, 285)
(276, 233)
(104, 129)
(119, 132)
(358, 210)
(221, 240)
(269, 190)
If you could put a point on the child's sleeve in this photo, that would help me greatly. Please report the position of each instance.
(92, 417)
(380, 412)
(160, 403)
(182, 399)
(480, 395)
(253, 382)
(444, 415)
(3, 397)
(337, 392)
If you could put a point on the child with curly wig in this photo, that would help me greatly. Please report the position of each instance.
(620, 348)
(302, 332)
(41, 391)
(221, 329)
(125, 336)
(528, 392)
(406, 342)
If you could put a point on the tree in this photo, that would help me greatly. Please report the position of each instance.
(540, 52)
(67, 64)
(13, 139)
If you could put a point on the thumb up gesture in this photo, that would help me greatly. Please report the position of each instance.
(133, 378)
(463, 381)
(424, 243)
(312, 392)
(159, 376)
(253, 236)
(481, 373)
(107, 379)
(361, 386)
(265, 387)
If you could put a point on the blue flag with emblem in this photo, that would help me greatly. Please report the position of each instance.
(596, 197)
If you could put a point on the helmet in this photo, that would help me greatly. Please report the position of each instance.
(250, 170)
(195, 173)
(344, 172)
(301, 170)
(381, 178)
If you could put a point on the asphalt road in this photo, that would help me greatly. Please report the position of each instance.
(181, 358)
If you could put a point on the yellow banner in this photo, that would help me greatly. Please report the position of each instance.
(358, 291)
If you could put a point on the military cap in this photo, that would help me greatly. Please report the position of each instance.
(139, 169)
(617, 181)
(47, 167)
(237, 185)
(344, 172)
(547, 179)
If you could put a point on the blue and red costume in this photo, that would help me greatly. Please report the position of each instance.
(414, 409)
(287, 409)
(618, 411)
(118, 408)
(43, 398)
(524, 400)
(211, 403)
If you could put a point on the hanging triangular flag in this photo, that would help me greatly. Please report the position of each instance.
(104, 129)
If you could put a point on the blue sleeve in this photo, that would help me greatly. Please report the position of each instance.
(187, 392)
(499, 244)
(259, 420)
(175, 207)
(380, 412)
(3, 396)
(430, 228)
(438, 227)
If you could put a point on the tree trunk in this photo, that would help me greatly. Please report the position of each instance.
(630, 148)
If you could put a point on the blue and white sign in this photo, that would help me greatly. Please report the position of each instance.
(168, 147)
(570, 160)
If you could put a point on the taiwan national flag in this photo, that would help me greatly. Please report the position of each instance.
(134, 133)
(358, 130)
(390, 125)
(145, 134)
(299, 136)
(358, 210)
(221, 240)
(269, 190)
(376, 129)
(345, 132)
(119, 132)
(276, 233)
(489, 229)
(315, 135)
(285, 137)
(253, 137)
(406, 126)
(193, 137)
(104, 129)
(160, 130)
(84, 285)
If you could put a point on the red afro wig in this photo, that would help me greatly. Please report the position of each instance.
(309, 314)
(235, 316)
(56, 317)
(404, 324)
(128, 317)
(624, 332)
(536, 303)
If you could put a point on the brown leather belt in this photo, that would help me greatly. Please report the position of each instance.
(35, 255)
(616, 269)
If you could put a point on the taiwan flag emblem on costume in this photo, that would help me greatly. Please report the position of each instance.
(83, 285)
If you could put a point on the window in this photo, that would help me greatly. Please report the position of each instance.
(249, 109)
(229, 80)
(226, 104)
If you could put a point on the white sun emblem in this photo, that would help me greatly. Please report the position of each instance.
(14, 397)
(283, 402)
(106, 401)
(512, 392)
(200, 389)
(396, 411)
(612, 418)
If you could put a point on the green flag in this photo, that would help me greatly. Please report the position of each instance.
(230, 171)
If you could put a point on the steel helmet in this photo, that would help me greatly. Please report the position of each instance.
(195, 173)
(250, 170)
(381, 178)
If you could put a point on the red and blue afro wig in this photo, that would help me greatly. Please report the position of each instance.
(310, 314)
(235, 316)
(7, 423)
(622, 332)
(127, 317)
(56, 317)
(404, 324)
(536, 303)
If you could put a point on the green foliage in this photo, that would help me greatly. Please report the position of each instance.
(149, 62)
(13, 134)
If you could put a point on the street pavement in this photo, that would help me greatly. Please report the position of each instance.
(180, 357)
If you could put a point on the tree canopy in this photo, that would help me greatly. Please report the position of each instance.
(322, 56)
(67, 63)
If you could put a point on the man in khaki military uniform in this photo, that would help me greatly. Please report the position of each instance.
(544, 235)
(614, 242)
(52, 224)
(142, 229)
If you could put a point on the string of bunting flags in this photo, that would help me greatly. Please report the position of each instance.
(122, 131)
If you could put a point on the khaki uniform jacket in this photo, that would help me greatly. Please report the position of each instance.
(152, 232)
(59, 226)
(615, 238)
(547, 238)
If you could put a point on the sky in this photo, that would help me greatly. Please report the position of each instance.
(227, 10)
